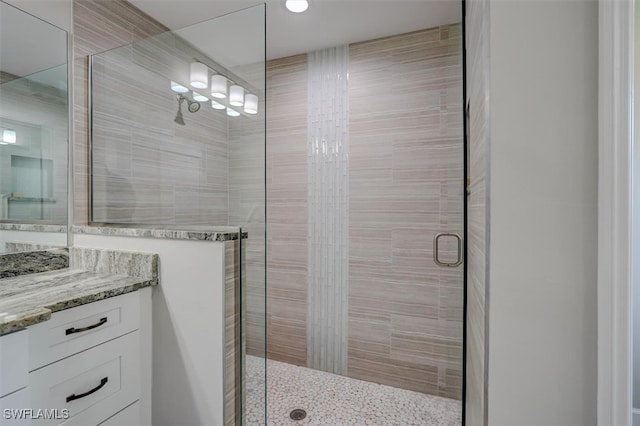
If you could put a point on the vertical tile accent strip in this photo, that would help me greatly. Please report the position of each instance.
(328, 209)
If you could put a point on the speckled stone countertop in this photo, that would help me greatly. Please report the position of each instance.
(30, 299)
(32, 227)
(15, 264)
(208, 233)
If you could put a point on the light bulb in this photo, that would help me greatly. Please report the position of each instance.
(218, 86)
(199, 75)
(251, 104)
(236, 95)
(9, 136)
(297, 6)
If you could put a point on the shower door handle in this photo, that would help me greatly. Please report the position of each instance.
(436, 250)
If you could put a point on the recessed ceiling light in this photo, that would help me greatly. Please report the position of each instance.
(297, 6)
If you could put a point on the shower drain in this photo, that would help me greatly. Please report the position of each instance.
(298, 414)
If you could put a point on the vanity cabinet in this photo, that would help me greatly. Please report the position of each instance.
(88, 365)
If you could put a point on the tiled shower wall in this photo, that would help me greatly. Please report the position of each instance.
(287, 209)
(98, 25)
(406, 184)
(147, 169)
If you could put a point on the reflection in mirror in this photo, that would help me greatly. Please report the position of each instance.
(34, 129)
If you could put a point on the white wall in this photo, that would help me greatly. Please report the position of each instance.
(543, 166)
(188, 327)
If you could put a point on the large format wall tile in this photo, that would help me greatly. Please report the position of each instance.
(405, 185)
(98, 25)
(287, 209)
(147, 169)
(405, 313)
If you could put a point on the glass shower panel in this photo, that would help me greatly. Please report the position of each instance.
(174, 146)
(366, 219)
(243, 54)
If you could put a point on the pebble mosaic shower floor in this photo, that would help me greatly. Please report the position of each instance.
(332, 400)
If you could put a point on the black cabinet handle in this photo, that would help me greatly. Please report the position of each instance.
(73, 397)
(80, 330)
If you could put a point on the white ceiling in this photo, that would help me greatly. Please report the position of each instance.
(234, 39)
(28, 44)
(326, 23)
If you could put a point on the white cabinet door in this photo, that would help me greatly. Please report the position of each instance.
(13, 362)
(92, 385)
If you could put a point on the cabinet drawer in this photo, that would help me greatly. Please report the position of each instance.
(73, 330)
(92, 385)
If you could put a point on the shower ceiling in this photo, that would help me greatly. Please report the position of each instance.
(327, 22)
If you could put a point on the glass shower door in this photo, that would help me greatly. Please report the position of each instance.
(178, 143)
(366, 204)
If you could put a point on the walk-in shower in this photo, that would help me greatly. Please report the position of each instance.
(355, 296)
(365, 202)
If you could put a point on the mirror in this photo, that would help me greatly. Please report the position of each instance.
(34, 132)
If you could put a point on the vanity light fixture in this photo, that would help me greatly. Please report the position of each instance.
(296, 6)
(239, 101)
(199, 98)
(199, 75)
(9, 136)
(236, 95)
(178, 88)
(251, 104)
(218, 86)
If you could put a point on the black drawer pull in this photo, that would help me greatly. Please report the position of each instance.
(80, 330)
(82, 395)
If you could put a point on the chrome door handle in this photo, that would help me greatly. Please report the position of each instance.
(436, 259)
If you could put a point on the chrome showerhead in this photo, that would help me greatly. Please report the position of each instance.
(192, 106)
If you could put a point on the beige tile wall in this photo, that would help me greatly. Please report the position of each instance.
(247, 208)
(233, 336)
(406, 184)
(406, 174)
(147, 169)
(98, 25)
(287, 209)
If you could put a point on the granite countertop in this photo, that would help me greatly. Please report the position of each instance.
(30, 299)
(202, 233)
(32, 227)
(30, 262)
